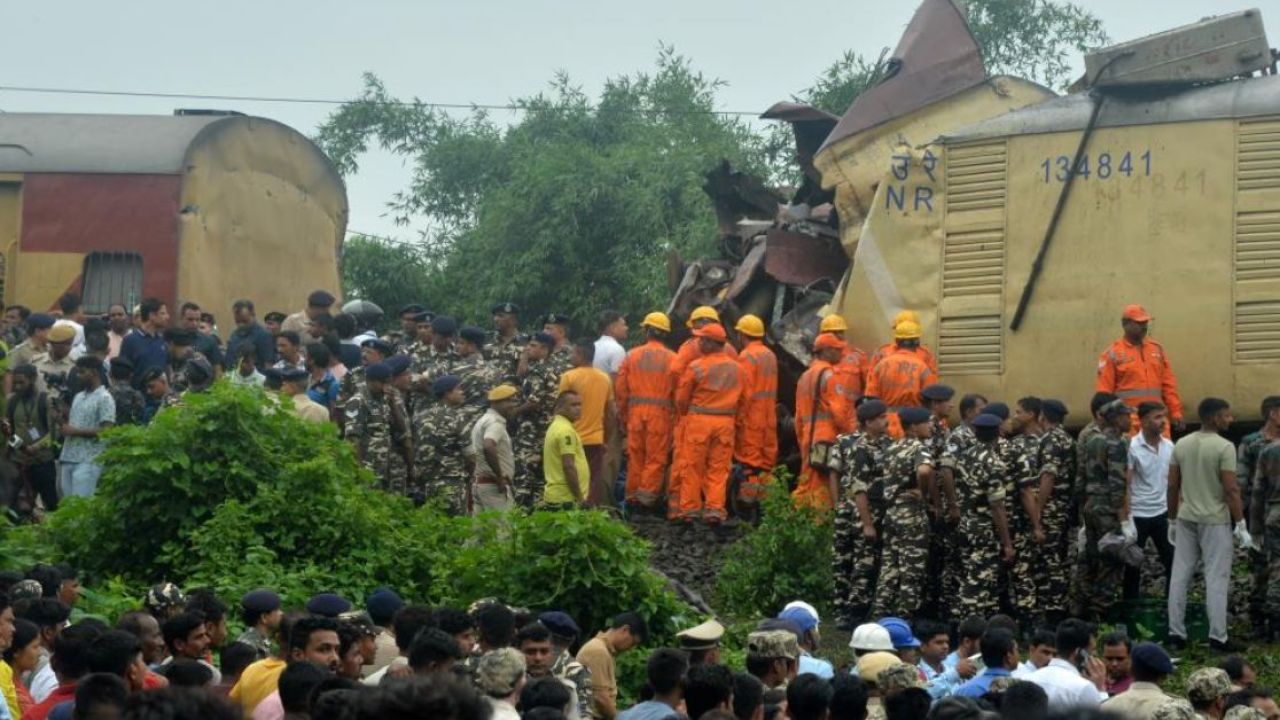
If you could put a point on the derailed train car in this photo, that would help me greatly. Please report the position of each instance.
(197, 206)
(1017, 224)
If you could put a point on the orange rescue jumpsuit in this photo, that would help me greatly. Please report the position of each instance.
(851, 377)
(831, 418)
(757, 424)
(643, 390)
(688, 352)
(1138, 374)
(709, 397)
(897, 380)
(921, 352)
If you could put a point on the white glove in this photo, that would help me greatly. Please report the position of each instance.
(1081, 541)
(1173, 526)
(1243, 538)
(1129, 530)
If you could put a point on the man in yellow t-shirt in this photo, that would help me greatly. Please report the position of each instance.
(597, 423)
(564, 462)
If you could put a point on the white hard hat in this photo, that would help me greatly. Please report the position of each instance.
(869, 637)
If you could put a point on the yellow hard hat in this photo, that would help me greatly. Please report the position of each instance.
(704, 312)
(906, 316)
(657, 321)
(833, 323)
(750, 325)
(907, 330)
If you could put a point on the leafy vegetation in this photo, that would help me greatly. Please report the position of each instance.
(234, 493)
(787, 557)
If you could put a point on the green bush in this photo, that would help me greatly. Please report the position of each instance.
(232, 492)
(787, 557)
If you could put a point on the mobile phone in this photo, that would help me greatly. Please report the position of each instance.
(1083, 663)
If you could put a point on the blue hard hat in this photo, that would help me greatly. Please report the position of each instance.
(899, 632)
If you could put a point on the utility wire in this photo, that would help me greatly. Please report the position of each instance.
(322, 101)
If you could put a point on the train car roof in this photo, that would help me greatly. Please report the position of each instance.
(1249, 97)
(127, 144)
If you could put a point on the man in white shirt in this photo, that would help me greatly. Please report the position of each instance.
(1075, 678)
(609, 350)
(500, 676)
(1149, 454)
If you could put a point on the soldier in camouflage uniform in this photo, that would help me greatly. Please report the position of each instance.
(400, 387)
(984, 526)
(441, 435)
(408, 336)
(540, 388)
(564, 632)
(129, 401)
(373, 350)
(857, 461)
(911, 500)
(181, 352)
(1251, 447)
(1075, 512)
(1264, 517)
(1056, 465)
(937, 400)
(477, 376)
(958, 441)
(1105, 480)
(1021, 481)
(377, 426)
(435, 360)
(505, 345)
(557, 326)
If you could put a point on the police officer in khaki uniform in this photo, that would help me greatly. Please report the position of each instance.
(702, 642)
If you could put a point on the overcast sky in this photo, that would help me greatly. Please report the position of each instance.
(460, 51)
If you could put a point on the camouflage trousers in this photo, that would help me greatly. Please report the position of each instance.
(944, 570)
(980, 569)
(445, 479)
(1101, 576)
(903, 563)
(1051, 570)
(855, 559)
(528, 483)
(1020, 579)
(1271, 551)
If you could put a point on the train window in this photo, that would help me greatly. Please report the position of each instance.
(111, 277)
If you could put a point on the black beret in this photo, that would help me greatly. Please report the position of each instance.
(559, 623)
(378, 344)
(425, 316)
(274, 316)
(913, 416)
(260, 601)
(293, 374)
(871, 409)
(937, 392)
(998, 409)
(473, 334)
(556, 319)
(378, 371)
(544, 338)
(328, 605)
(987, 421)
(181, 337)
(1055, 409)
(414, 308)
(444, 325)
(506, 307)
(40, 321)
(398, 364)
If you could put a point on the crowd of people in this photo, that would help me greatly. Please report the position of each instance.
(177, 657)
(935, 520)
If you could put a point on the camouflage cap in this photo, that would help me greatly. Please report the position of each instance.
(773, 644)
(162, 596)
(1207, 684)
(1244, 712)
(1001, 684)
(26, 590)
(499, 671)
(898, 677)
(1174, 710)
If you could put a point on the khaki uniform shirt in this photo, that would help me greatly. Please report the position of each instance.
(308, 409)
(1139, 702)
(597, 656)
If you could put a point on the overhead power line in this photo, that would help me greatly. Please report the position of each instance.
(323, 101)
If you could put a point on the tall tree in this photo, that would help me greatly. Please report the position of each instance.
(573, 207)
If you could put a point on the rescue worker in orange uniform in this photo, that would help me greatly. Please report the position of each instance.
(887, 349)
(756, 448)
(898, 379)
(709, 396)
(643, 390)
(1137, 369)
(821, 415)
(689, 351)
(854, 366)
